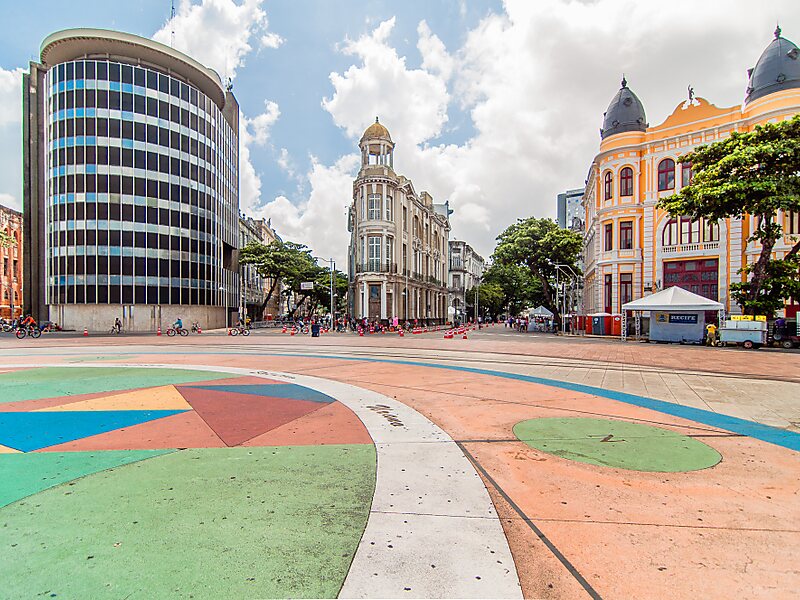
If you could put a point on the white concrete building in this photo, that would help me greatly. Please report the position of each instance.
(466, 270)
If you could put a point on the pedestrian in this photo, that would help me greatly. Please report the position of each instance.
(711, 334)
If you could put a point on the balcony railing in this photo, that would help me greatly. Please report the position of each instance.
(690, 247)
(376, 266)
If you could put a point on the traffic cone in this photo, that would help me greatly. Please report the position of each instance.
(294, 330)
(229, 332)
(400, 331)
(85, 332)
(199, 330)
(284, 329)
(159, 330)
(465, 336)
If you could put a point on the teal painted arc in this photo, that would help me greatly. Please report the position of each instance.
(22, 475)
(28, 431)
(287, 391)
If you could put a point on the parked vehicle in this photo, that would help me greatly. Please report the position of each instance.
(785, 334)
(748, 334)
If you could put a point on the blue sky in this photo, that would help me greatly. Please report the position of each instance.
(494, 105)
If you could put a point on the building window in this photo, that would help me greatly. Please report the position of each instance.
(608, 292)
(626, 182)
(374, 207)
(388, 208)
(608, 186)
(374, 256)
(626, 235)
(686, 174)
(405, 219)
(609, 237)
(710, 231)
(625, 288)
(792, 222)
(666, 175)
(388, 255)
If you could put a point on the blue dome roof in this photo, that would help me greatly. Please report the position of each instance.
(625, 113)
(777, 69)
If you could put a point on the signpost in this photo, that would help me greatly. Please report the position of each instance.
(307, 285)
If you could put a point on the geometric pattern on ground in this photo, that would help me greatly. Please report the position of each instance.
(617, 444)
(204, 410)
(244, 522)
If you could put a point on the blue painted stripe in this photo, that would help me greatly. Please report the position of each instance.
(765, 433)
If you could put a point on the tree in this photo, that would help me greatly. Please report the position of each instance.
(520, 290)
(539, 245)
(281, 262)
(490, 298)
(755, 173)
(322, 290)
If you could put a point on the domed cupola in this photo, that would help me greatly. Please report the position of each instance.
(777, 69)
(377, 147)
(625, 113)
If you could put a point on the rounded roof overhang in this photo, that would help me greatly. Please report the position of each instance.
(73, 44)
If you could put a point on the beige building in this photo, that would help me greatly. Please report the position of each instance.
(466, 270)
(254, 286)
(11, 257)
(398, 241)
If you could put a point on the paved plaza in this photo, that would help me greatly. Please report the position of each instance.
(503, 465)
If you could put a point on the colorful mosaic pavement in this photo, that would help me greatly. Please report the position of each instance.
(122, 477)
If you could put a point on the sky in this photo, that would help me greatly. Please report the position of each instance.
(494, 106)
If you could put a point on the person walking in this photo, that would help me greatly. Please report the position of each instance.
(711, 334)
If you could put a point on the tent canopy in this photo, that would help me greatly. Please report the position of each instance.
(539, 311)
(673, 298)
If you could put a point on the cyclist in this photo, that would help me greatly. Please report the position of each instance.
(28, 321)
(178, 325)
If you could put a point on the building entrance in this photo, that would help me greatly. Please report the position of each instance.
(374, 301)
(699, 276)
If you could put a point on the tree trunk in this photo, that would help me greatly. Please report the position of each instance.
(269, 295)
(759, 272)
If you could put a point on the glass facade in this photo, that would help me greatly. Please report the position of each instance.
(141, 189)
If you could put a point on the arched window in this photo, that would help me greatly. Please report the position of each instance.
(683, 231)
(608, 186)
(669, 237)
(626, 182)
(666, 175)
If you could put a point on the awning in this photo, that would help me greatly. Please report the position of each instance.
(673, 298)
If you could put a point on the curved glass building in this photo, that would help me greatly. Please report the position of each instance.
(131, 184)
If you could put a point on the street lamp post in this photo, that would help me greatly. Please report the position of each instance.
(225, 305)
(574, 277)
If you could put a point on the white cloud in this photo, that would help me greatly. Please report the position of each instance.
(414, 101)
(320, 221)
(11, 137)
(253, 131)
(434, 54)
(535, 80)
(218, 33)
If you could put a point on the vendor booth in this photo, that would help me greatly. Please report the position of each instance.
(676, 315)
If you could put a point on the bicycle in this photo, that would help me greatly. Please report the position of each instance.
(173, 331)
(33, 332)
(116, 330)
(239, 330)
(302, 329)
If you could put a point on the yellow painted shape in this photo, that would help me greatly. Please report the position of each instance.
(155, 398)
(7, 450)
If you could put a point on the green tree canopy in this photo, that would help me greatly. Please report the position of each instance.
(755, 173)
(520, 289)
(490, 298)
(281, 262)
(538, 245)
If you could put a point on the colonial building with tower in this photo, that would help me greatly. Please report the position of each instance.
(633, 248)
(398, 241)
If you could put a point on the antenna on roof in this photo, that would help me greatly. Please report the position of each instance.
(172, 25)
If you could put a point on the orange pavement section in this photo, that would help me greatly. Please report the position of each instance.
(709, 533)
(42, 403)
(184, 430)
(7, 450)
(155, 398)
(333, 424)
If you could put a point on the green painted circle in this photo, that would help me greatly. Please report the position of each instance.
(618, 444)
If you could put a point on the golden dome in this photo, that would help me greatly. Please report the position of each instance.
(376, 131)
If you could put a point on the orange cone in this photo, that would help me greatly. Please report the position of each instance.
(199, 330)
(402, 334)
(465, 336)
(294, 330)
(284, 329)
(159, 330)
(85, 332)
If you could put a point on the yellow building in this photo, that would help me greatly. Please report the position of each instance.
(632, 248)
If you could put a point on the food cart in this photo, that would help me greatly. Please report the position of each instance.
(744, 331)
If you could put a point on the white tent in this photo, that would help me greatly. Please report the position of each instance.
(540, 311)
(670, 299)
(673, 298)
